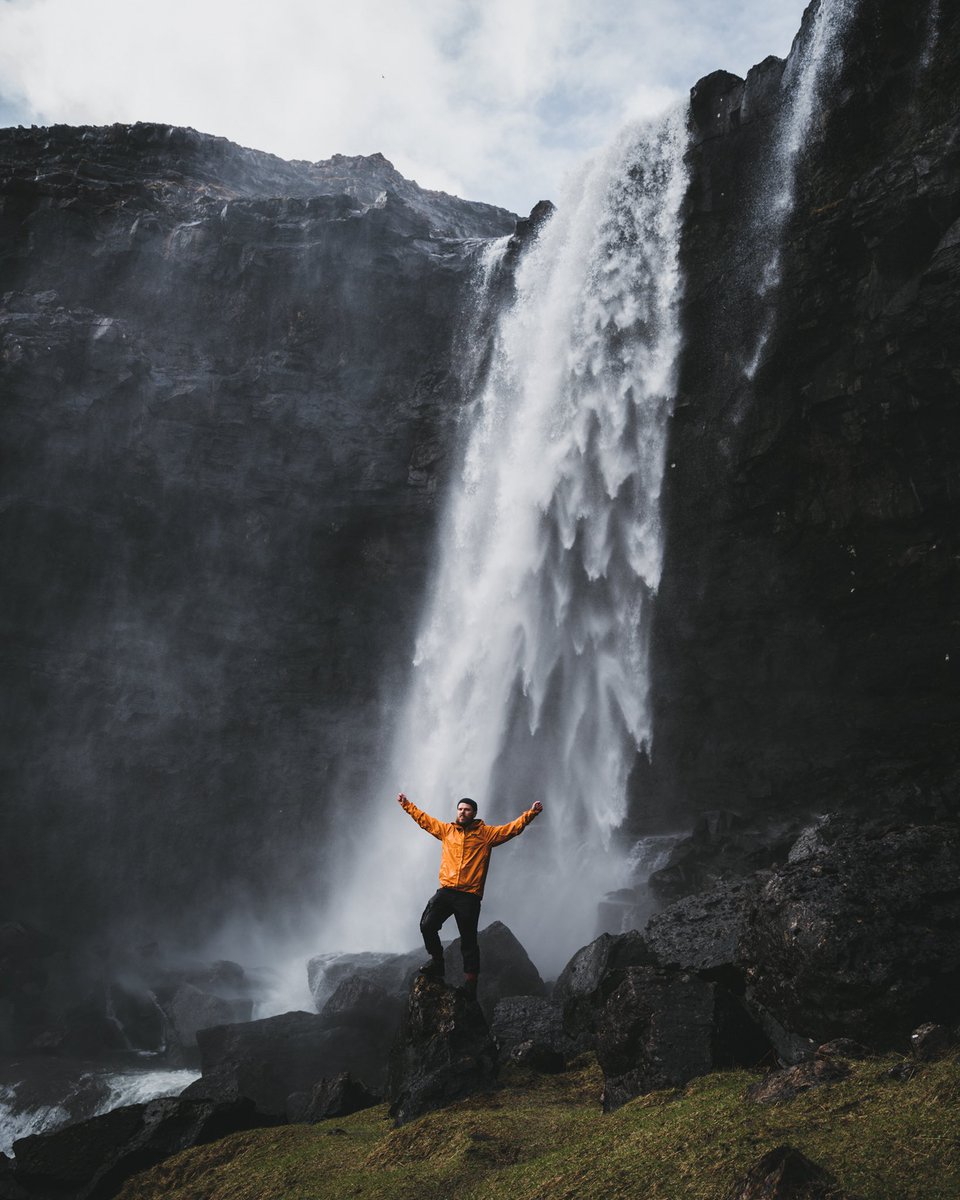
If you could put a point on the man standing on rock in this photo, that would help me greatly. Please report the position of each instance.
(464, 859)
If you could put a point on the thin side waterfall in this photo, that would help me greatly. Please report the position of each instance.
(813, 65)
(530, 680)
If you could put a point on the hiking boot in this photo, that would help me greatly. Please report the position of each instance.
(433, 969)
(469, 989)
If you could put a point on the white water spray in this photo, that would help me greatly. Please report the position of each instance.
(813, 65)
(530, 679)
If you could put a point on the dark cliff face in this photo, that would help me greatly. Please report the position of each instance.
(230, 389)
(807, 646)
(227, 394)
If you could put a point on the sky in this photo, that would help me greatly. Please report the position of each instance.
(494, 100)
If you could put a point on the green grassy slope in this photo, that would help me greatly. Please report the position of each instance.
(540, 1137)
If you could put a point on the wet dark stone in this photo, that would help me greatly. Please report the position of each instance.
(443, 1052)
(268, 1060)
(783, 1085)
(93, 1158)
(505, 967)
(539, 1057)
(337, 1097)
(702, 933)
(931, 1041)
(659, 1028)
(577, 989)
(360, 1002)
(863, 939)
(518, 1019)
(786, 1174)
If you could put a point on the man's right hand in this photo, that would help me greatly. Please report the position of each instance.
(401, 799)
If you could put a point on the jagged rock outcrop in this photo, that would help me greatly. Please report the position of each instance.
(443, 1052)
(785, 1174)
(805, 651)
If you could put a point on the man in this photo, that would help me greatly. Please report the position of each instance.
(464, 859)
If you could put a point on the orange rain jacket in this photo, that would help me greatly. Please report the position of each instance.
(465, 856)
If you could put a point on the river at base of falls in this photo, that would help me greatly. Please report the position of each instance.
(39, 1094)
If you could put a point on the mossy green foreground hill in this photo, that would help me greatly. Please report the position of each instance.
(544, 1136)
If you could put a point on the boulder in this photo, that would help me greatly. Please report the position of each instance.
(392, 972)
(843, 1048)
(576, 989)
(780, 1086)
(659, 1028)
(702, 933)
(786, 1174)
(931, 1041)
(443, 1052)
(267, 1060)
(539, 1057)
(337, 1097)
(505, 967)
(190, 1009)
(518, 1019)
(360, 1003)
(861, 939)
(94, 1157)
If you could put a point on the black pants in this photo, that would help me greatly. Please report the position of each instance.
(465, 908)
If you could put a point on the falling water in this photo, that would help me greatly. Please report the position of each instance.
(530, 679)
(814, 63)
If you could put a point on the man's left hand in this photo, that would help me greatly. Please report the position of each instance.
(537, 807)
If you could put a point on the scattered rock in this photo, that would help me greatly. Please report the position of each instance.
(930, 1042)
(444, 1051)
(902, 1070)
(780, 1086)
(843, 1048)
(786, 1174)
(538, 1056)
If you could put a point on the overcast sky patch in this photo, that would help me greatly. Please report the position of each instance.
(495, 101)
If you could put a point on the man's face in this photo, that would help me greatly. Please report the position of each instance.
(465, 813)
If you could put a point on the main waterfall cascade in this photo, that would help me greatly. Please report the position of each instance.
(530, 678)
(815, 62)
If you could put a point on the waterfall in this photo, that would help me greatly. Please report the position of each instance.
(530, 680)
(932, 34)
(814, 63)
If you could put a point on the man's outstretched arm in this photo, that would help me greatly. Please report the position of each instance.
(503, 833)
(424, 820)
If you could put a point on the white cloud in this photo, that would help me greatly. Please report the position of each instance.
(493, 99)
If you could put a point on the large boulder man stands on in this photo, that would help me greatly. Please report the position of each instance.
(464, 860)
